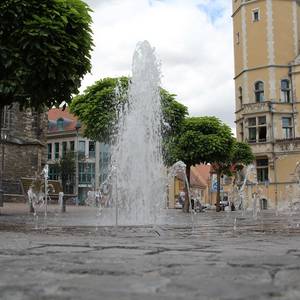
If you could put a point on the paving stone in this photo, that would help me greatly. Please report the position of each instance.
(71, 258)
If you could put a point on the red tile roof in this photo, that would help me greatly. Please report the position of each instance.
(56, 113)
(200, 175)
(69, 119)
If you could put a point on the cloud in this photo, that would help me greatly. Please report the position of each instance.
(193, 40)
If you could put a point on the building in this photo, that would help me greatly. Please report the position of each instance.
(22, 149)
(199, 185)
(226, 186)
(267, 86)
(91, 158)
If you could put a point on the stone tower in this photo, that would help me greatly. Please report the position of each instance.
(23, 147)
(267, 87)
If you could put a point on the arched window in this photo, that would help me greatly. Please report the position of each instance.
(285, 91)
(259, 91)
(263, 203)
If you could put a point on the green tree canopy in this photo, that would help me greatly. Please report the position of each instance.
(99, 105)
(44, 51)
(202, 140)
(242, 154)
(208, 140)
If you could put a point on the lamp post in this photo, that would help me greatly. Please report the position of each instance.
(78, 126)
(4, 136)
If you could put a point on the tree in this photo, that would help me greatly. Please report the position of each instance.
(44, 51)
(239, 156)
(66, 168)
(204, 140)
(98, 108)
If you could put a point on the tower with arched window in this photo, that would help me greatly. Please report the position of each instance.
(267, 84)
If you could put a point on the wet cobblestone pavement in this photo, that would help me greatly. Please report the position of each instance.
(71, 258)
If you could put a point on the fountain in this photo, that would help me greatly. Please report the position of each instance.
(249, 177)
(137, 180)
(38, 194)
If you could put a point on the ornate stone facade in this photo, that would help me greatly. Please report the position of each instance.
(267, 85)
(23, 147)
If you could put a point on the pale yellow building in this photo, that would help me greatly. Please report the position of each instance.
(267, 86)
(199, 186)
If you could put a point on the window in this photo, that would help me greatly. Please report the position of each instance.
(72, 146)
(263, 203)
(259, 91)
(49, 151)
(287, 127)
(56, 150)
(257, 129)
(91, 149)
(252, 130)
(255, 15)
(262, 169)
(60, 124)
(86, 173)
(262, 129)
(64, 149)
(241, 96)
(285, 91)
(53, 172)
(81, 148)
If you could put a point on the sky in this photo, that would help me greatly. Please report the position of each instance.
(192, 40)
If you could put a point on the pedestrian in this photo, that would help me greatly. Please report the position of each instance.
(232, 206)
(181, 197)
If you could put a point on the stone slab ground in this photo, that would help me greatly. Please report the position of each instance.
(71, 258)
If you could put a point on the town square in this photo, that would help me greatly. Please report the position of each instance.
(149, 149)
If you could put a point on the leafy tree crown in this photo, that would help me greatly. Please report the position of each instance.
(45, 51)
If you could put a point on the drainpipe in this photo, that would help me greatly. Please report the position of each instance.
(292, 99)
(273, 155)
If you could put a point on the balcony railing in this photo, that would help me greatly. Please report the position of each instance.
(257, 107)
(286, 145)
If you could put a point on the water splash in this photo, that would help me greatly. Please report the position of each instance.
(38, 196)
(138, 185)
(179, 168)
(235, 224)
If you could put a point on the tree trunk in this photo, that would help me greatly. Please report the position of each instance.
(1, 174)
(218, 207)
(186, 205)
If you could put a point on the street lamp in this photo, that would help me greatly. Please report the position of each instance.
(3, 139)
(77, 127)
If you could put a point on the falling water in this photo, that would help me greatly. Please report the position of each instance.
(138, 176)
(235, 224)
(179, 168)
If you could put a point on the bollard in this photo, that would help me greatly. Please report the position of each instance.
(30, 200)
(62, 202)
(31, 209)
